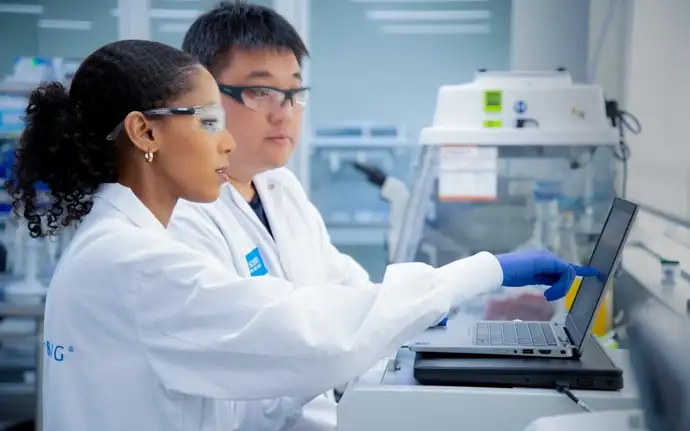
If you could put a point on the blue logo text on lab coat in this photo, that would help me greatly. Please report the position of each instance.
(256, 263)
(56, 352)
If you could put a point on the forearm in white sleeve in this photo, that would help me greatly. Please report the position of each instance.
(464, 278)
(208, 332)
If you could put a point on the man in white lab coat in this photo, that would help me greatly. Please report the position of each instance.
(263, 222)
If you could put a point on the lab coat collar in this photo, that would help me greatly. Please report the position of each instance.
(124, 200)
(271, 193)
(240, 202)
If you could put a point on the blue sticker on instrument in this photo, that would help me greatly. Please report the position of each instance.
(520, 107)
(256, 263)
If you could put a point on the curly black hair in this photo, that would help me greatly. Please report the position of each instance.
(64, 143)
(231, 24)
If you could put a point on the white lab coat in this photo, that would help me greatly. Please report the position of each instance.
(144, 333)
(302, 253)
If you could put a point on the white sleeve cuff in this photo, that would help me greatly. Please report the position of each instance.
(472, 276)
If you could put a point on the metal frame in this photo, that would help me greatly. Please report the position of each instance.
(134, 21)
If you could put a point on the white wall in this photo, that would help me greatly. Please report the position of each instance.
(657, 91)
(645, 64)
(610, 68)
(547, 34)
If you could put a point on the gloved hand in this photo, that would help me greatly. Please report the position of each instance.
(541, 268)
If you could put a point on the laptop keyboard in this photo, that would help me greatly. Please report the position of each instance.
(515, 334)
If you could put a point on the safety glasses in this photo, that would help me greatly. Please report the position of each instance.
(212, 117)
(265, 99)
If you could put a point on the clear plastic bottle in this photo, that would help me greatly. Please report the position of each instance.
(536, 241)
(546, 225)
(569, 249)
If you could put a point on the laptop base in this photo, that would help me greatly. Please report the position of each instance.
(592, 371)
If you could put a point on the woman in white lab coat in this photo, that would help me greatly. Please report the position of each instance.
(142, 332)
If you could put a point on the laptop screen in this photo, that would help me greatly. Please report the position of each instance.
(604, 259)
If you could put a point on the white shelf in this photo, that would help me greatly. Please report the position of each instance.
(358, 235)
(511, 137)
(17, 88)
(17, 389)
(364, 143)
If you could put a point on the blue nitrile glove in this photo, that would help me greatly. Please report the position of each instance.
(541, 268)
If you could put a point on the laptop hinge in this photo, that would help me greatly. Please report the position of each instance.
(567, 334)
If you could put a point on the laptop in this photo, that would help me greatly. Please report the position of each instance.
(542, 339)
(659, 350)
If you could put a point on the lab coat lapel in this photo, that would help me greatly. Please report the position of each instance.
(272, 195)
(246, 210)
(256, 233)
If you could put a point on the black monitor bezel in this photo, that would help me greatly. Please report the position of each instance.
(577, 334)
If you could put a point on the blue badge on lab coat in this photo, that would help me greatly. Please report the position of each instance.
(256, 263)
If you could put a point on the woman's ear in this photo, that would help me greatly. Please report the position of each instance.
(139, 129)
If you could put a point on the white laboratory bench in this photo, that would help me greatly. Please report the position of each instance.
(652, 238)
(643, 264)
(393, 400)
(620, 420)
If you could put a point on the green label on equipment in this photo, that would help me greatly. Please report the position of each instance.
(493, 100)
(492, 124)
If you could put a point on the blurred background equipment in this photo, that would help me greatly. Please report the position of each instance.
(26, 264)
(510, 163)
(359, 181)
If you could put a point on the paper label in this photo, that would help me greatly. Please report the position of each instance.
(468, 173)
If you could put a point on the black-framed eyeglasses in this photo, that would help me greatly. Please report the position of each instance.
(212, 117)
(265, 99)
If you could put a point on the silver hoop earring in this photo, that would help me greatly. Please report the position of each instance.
(148, 156)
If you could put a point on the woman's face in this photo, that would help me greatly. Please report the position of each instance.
(194, 148)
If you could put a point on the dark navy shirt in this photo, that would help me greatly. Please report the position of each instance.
(258, 209)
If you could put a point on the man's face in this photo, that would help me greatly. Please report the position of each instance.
(266, 132)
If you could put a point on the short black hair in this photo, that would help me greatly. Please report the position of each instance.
(231, 24)
(64, 143)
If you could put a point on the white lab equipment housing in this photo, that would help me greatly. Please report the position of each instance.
(521, 108)
(491, 141)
